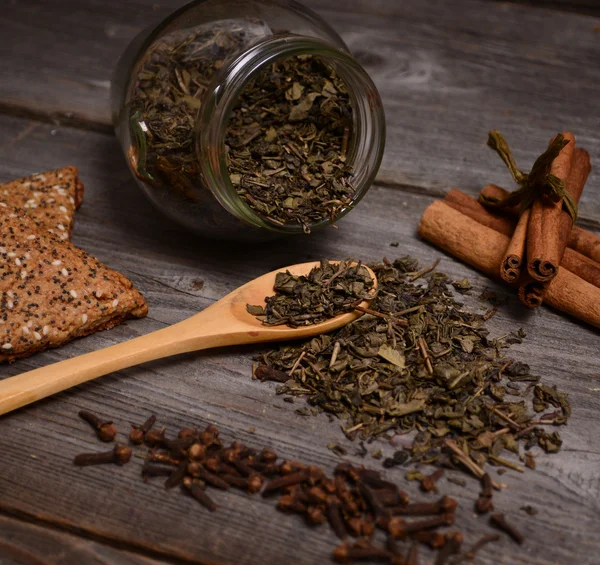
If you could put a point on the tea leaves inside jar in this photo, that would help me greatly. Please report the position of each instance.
(287, 138)
(287, 142)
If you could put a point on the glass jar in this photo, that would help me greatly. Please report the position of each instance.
(189, 180)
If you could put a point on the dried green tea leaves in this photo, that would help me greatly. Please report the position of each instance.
(439, 375)
(166, 97)
(327, 291)
(287, 141)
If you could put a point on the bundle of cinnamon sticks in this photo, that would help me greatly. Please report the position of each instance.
(526, 245)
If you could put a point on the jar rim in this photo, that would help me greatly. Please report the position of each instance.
(364, 155)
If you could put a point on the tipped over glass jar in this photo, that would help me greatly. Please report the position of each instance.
(241, 119)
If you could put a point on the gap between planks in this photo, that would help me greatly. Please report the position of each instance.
(116, 543)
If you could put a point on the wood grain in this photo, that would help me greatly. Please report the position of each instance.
(447, 71)
(582, 6)
(54, 547)
(180, 275)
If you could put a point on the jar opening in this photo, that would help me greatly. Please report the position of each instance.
(292, 136)
(286, 142)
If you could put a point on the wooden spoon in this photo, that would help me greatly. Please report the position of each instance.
(224, 323)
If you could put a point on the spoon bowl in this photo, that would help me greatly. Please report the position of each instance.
(225, 322)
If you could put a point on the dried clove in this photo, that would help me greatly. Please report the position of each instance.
(472, 552)
(105, 431)
(452, 547)
(435, 540)
(444, 504)
(285, 481)
(336, 521)
(155, 438)
(138, 433)
(119, 455)
(429, 482)
(213, 479)
(177, 476)
(345, 553)
(155, 470)
(196, 490)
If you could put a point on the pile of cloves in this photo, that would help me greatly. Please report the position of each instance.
(356, 502)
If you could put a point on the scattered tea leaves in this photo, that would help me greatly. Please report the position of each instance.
(437, 373)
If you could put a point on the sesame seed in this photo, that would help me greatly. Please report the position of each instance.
(41, 177)
(73, 293)
(10, 293)
(30, 323)
(2, 249)
(25, 330)
(37, 336)
(65, 272)
(11, 254)
(10, 304)
(98, 293)
(84, 318)
(3, 205)
(72, 200)
(31, 236)
(12, 215)
(64, 235)
(62, 209)
(57, 262)
(61, 227)
(7, 346)
(46, 330)
(115, 302)
(23, 274)
(17, 262)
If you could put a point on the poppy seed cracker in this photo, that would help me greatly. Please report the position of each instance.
(52, 292)
(50, 198)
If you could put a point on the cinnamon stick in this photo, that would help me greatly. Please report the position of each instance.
(583, 241)
(550, 225)
(514, 256)
(482, 248)
(576, 262)
(531, 292)
(467, 205)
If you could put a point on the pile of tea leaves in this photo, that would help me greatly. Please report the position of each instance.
(424, 364)
(327, 291)
(287, 140)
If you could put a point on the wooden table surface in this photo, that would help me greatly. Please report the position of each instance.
(448, 71)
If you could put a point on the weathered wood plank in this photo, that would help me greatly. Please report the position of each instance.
(180, 274)
(581, 6)
(447, 72)
(23, 543)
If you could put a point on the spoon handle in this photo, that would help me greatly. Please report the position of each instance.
(183, 337)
